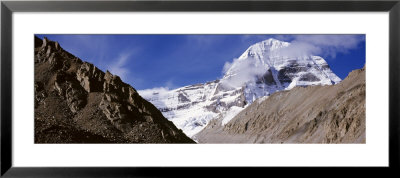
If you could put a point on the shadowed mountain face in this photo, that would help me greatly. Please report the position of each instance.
(313, 114)
(75, 102)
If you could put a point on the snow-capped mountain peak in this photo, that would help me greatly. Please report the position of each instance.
(264, 68)
(258, 52)
(269, 44)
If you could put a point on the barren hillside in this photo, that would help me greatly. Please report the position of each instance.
(75, 102)
(313, 114)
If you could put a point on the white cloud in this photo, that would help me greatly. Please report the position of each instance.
(148, 93)
(299, 48)
(326, 45)
(118, 67)
(244, 71)
(227, 66)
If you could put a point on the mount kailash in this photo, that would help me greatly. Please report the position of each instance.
(264, 68)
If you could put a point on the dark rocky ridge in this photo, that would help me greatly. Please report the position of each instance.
(75, 102)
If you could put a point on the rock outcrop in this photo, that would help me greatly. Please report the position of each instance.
(312, 114)
(75, 102)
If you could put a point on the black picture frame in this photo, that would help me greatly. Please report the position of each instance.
(8, 7)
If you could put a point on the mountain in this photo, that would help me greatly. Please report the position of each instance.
(75, 102)
(264, 68)
(312, 114)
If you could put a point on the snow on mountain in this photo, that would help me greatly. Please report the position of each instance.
(264, 68)
(189, 108)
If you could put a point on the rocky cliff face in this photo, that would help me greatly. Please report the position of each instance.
(75, 102)
(312, 114)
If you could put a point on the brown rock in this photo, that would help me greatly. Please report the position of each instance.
(75, 102)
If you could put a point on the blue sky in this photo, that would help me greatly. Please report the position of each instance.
(171, 61)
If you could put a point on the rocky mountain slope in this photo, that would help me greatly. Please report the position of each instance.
(75, 102)
(312, 114)
(264, 68)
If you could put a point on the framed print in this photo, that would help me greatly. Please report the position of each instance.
(152, 88)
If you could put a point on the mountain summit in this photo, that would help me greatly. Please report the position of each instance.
(272, 65)
(264, 68)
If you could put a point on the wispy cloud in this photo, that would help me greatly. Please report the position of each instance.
(91, 47)
(149, 93)
(119, 67)
(244, 71)
(325, 45)
(170, 84)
